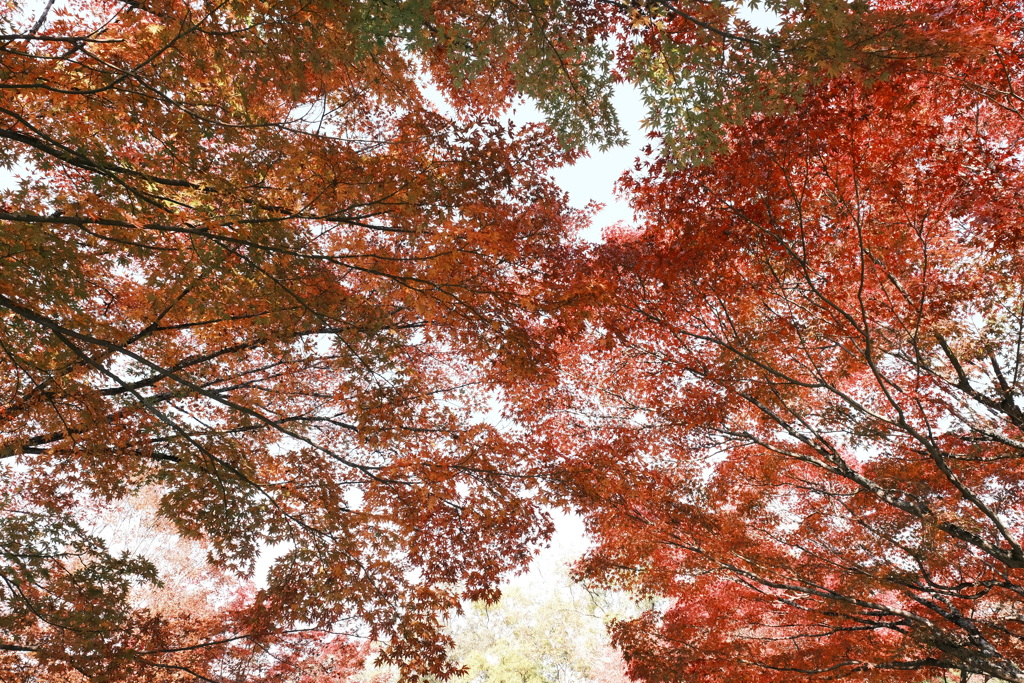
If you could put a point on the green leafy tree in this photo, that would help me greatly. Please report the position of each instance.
(544, 629)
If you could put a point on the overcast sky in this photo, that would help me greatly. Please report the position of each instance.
(593, 178)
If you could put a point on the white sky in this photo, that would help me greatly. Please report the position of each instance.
(593, 178)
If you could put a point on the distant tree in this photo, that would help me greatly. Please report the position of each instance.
(544, 630)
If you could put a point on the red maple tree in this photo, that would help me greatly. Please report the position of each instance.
(247, 263)
(799, 416)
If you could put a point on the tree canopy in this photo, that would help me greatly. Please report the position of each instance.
(799, 414)
(249, 266)
(281, 279)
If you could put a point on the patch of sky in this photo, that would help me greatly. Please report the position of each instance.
(758, 16)
(593, 178)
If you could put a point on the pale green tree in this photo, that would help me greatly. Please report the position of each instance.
(545, 629)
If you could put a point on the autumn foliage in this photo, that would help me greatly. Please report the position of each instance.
(803, 425)
(249, 266)
(274, 272)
